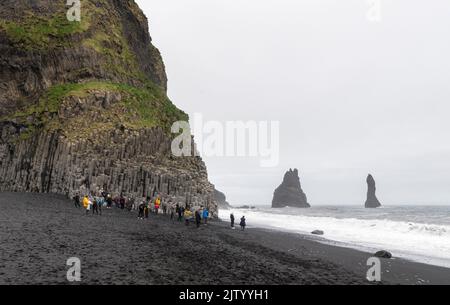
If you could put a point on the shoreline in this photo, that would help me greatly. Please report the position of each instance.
(394, 271)
(39, 232)
(419, 242)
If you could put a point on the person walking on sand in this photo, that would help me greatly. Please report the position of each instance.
(198, 218)
(205, 216)
(76, 201)
(243, 224)
(232, 220)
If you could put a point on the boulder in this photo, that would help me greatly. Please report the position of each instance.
(318, 232)
(383, 254)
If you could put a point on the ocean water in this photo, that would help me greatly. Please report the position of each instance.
(417, 233)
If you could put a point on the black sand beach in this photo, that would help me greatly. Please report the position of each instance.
(39, 233)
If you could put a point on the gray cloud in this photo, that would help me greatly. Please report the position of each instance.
(352, 96)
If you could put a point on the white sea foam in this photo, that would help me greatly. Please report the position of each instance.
(420, 242)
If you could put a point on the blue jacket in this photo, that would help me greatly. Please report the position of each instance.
(205, 214)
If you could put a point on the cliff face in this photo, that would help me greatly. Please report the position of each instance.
(372, 200)
(221, 200)
(290, 192)
(83, 105)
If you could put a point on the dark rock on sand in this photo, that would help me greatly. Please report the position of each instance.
(290, 192)
(318, 232)
(372, 201)
(383, 254)
(83, 106)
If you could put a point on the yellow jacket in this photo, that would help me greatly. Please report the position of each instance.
(85, 202)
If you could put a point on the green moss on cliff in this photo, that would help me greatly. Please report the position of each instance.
(140, 107)
(37, 32)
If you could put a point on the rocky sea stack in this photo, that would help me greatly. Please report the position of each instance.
(83, 105)
(372, 200)
(290, 192)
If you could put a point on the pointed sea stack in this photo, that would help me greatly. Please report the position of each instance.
(372, 201)
(290, 192)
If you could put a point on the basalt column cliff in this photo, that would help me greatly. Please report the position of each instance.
(83, 105)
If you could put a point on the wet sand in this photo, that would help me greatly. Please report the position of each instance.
(38, 233)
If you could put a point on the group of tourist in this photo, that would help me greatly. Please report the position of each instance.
(95, 204)
(243, 222)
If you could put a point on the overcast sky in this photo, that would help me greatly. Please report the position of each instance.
(352, 96)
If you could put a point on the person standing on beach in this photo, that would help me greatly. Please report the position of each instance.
(94, 206)
(232, 220)
(187, 216)
(164, 207)
(141, 210)
(243, 224)
(172, 211)
(76, 201)
(205, 215)
(109, 201)
(86, 204)
(198, 218)
(179, 211)
(100, 203)
(146, 209)
(122, 202)
(157, 205)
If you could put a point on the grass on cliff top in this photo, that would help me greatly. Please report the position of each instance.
(37, 32)
(145, 107)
